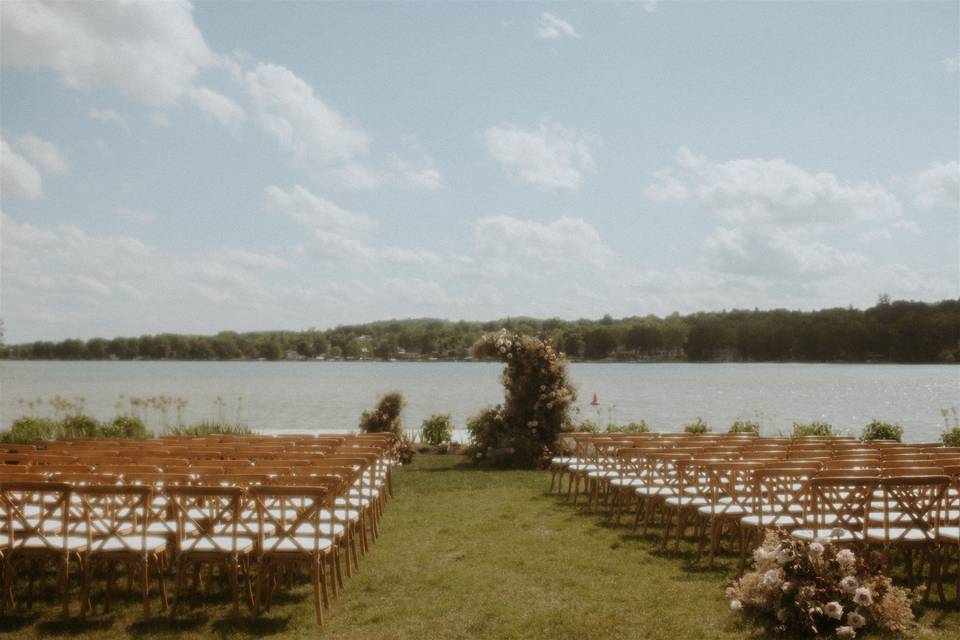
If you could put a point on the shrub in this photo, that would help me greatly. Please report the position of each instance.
(436, 429)
(386, 416)
(951, 428)
(697, 426)
(125, 427)
(630, 427)
(80, 426)
(210, 428)
(801, 429)
(404, 451)
(744, 426)
(588, 426)
(878, 430)
(537, 399)
(27, 429)
(799, 589)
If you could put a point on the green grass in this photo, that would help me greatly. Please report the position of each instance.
(469, 553)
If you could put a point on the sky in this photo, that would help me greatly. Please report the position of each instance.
(192, 168)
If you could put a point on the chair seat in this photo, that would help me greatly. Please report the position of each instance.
(53, 543)
(136, 543)
(295, 545)
(824, 534)
(562, 461)
(722, 510)
(626, 482)
(686, 501)
(769, 520)
(220, 544)
(352, 502)
(340, 515)
(950, 534)
(900, 534)
(656, 491)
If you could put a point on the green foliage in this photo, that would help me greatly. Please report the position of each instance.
(802, 429)
(386, 416)
(537, 399)
(898, 331)
(697, 426)
(630, 427)
(436, 429)
(744, 426)
(210, 428)
(951, 438)
(27, 429)
(588, 426)
(125, 427)
(877, 430)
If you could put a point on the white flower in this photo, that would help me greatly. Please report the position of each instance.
(863, 597)
(770, 579)
(786, 587)
(837, 532)
(736, 606)
(815, 550)
(849, 584)
(833, 610)
(856, 620)
(846, 558)
(760, 555)
(784, 555)
(846, 632)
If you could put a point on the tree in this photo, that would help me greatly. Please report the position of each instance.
(598, 343)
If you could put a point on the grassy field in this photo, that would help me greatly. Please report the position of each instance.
(467, 553)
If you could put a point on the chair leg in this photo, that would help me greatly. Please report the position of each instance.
(146, 589)
(159, 560)
(65, 577)
(317, 602)
(234, 584)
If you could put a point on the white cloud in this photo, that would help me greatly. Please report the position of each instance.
(133, 214)
(308, 209)
(936, 186)
(563, 242)
(147, 51)
(220, 107)
(286, 108)
(18, 178)
(551, 26)
(107, 115)
(160, 119)
(650, 6)
(402, 173)
(951, 64)
(42, 152)
(549, 158)
(769, 191)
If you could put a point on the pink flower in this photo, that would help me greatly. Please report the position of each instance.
(863, 597)
(856, 620)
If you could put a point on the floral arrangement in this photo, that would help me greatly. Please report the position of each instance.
(537, 399)
(819, 590)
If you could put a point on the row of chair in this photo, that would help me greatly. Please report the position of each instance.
(894, 497)
(274, 504)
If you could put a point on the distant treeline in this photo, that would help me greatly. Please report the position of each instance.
(897, 331)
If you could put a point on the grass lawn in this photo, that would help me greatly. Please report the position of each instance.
(468, 553)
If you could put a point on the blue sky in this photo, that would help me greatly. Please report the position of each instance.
(194, 168)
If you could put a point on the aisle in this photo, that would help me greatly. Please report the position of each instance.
(467, 553)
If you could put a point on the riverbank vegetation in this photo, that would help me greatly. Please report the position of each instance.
(890, 331)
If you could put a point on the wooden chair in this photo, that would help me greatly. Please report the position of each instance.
(207, 533)
(295, 513)
(37, 526)
(837, 507)
(117, 524)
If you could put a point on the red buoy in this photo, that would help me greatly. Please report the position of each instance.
(595, 402)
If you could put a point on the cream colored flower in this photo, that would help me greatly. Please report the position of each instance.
(736, 606)
(846, 558)
(845, 633)
(856, 620)
(833, 610)
(849, 584)
(863, 597)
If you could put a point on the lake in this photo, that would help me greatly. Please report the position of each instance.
(329, 396)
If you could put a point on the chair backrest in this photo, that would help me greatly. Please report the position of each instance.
(211, 512)
(912, 504)
(839, 502)
(112, 514)
(36, 511)
(296, 513)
